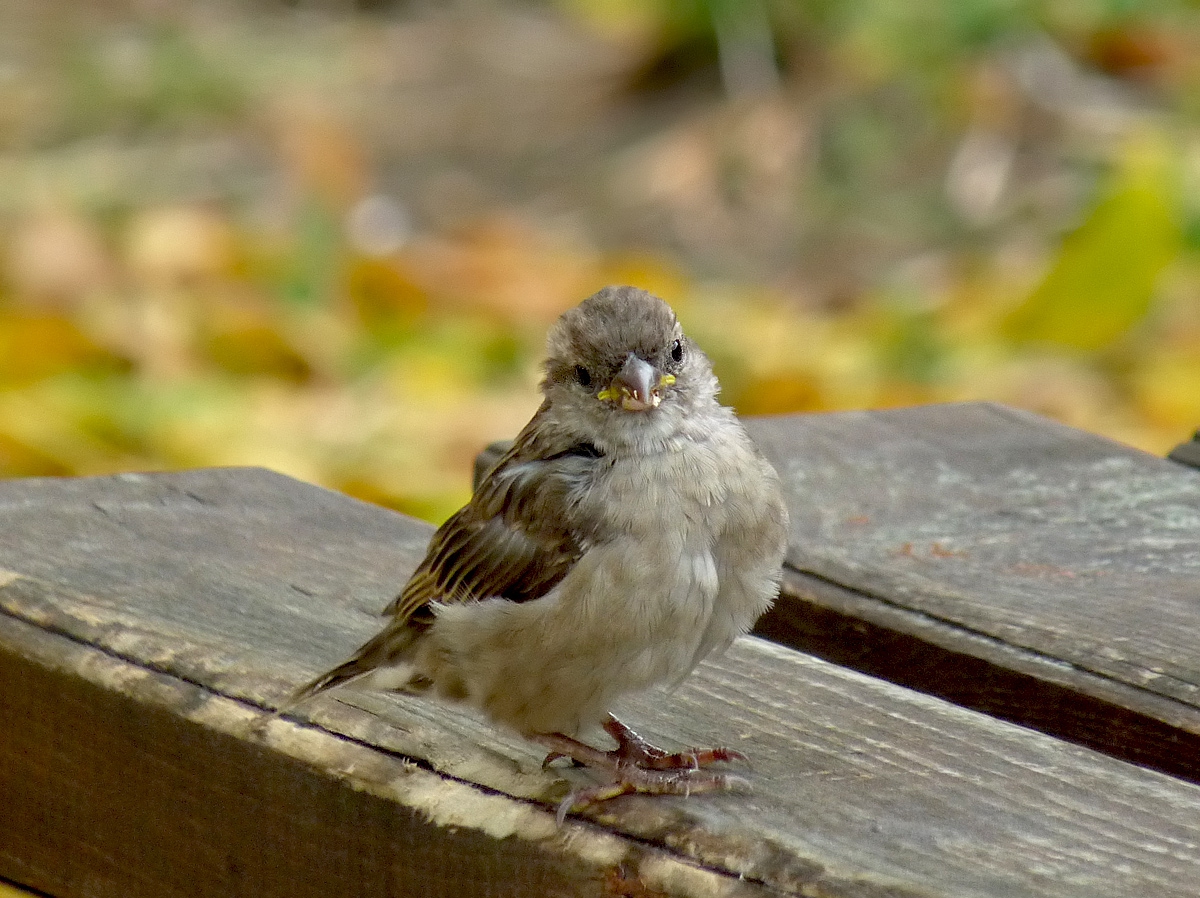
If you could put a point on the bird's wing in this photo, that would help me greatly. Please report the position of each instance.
(517, 537)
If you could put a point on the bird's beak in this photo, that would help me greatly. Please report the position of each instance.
(637, 386)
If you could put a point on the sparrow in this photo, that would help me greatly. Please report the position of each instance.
(631, 530)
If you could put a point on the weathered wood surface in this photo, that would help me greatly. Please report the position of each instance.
(1008, 563)
(147, 619)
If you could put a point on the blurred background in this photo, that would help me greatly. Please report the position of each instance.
(328, 237)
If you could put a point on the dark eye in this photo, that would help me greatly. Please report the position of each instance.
(677, 351)
(583, 376)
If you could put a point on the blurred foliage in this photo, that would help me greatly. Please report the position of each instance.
(1103, 280)
(228, 239)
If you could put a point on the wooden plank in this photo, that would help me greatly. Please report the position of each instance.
(119, 781)
(146, 618)
(1002, 561)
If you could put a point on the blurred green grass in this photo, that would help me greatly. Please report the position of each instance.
(231, 239)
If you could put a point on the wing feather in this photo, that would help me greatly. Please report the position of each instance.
(519, 535)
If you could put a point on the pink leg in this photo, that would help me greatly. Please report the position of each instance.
(638, 766)
(633, 749)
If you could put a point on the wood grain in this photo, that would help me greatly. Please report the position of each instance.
(147, 619)
(1003, 561)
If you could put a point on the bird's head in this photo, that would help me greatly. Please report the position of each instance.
(621, 370)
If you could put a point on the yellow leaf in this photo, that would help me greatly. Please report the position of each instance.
(34, 346)
(1104, 278)
(778, 394)
(383, 291)
(1166, 386)
(19, 459)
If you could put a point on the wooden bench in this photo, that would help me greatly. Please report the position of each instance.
(991, 560)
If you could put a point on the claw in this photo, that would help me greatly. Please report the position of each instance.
(581, 798)
(637, 766)
(636, 750)
(637, 780)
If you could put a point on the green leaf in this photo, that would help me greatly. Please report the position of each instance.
(1104, 278)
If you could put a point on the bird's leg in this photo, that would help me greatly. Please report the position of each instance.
(637, 766)
(580, 752)
(633, 749)
(629, 780)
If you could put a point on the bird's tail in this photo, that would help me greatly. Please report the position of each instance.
(386, 649)
(349, 670)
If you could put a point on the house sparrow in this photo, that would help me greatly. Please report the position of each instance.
(630, 531)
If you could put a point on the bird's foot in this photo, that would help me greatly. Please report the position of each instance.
(639, 780)
(637, 766)
(633, 750)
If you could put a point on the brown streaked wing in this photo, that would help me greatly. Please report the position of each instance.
(519, 534)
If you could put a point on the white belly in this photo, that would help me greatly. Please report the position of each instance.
(626, 618)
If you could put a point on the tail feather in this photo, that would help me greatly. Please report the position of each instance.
(387, 648)
(331, 679)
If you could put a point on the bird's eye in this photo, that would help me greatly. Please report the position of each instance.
(583, 376)
(677, 351)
